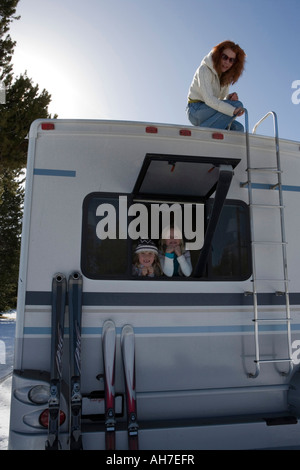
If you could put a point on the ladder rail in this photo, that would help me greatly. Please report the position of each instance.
(254, 293)
(281, 205)
(283, 242)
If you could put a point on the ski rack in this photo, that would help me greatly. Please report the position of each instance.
(59, 293)
(59, 288)
(109, 358)
(254, 243)
(109, 354)
(128, 354)
(75, 314)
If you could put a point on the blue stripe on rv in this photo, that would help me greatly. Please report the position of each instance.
(285, 187)
(164, 299)
(48, 172)
(171, 330)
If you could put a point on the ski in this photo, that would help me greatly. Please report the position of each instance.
(59, 287)
(75, 314)
(128, 353)
(109, 353)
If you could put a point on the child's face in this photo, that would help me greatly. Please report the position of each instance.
(146, 258)
(173, 241)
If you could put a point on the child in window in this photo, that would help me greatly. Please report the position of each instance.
(174, 259)
(145, 261)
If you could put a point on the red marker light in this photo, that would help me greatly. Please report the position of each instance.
(47, 126)
(218, 136)
(151, 130)
(185, 132)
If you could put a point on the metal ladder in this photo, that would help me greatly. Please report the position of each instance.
(276, 170)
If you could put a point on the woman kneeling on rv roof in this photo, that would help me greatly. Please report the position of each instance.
(209, 101)
(174, 259)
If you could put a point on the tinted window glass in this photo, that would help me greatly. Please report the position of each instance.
(230, 254)
(103, 257)
(107, 250)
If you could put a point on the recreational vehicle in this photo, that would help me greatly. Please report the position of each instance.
(106, 359)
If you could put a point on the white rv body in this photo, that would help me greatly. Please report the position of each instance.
(195, 343)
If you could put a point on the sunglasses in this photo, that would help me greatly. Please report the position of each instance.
(231, 59)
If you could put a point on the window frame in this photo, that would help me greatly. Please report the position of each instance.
(105, 196)
(213, 162)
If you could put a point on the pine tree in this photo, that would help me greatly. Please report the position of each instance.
(23, 104)
(7, 15)
(10, 233)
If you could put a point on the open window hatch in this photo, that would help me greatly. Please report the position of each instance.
(188, 179)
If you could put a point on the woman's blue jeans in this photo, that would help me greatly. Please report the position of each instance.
(202, 115)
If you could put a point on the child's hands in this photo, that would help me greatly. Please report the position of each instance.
(147, 271)
(174, 249)
(178, 250)
(144, 271)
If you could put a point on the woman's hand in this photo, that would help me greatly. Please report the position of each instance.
(233, 96)
(238, 112)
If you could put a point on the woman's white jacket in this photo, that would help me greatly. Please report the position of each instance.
(206, 87)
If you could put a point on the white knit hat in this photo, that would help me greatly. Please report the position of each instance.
(146, 245)
(176, 231)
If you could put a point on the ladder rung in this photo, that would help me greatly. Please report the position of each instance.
(249, 183)
(271, 206)
(269, 279)
(268, 243)
(249, 293)
(273, 360)
(262, 169)
(284, 320)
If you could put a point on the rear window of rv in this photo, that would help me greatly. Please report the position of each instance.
(112, 225)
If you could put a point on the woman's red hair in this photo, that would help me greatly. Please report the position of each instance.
(233, 74)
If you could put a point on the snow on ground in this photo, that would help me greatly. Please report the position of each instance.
(7, 334)
(5, 390)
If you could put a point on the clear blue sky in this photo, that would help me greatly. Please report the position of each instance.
(134, 59)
